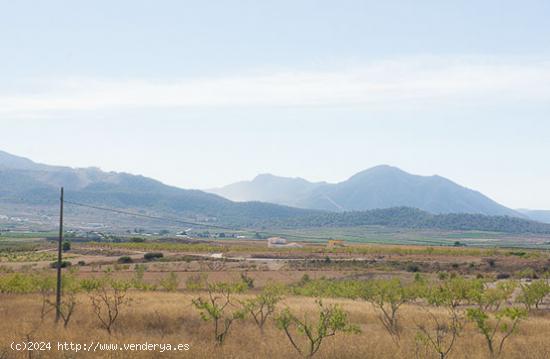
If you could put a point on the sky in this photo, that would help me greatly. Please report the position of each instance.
(199, 94)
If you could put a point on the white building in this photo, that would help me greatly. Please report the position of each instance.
(276, 242)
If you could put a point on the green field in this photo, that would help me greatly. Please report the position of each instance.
(385, 235)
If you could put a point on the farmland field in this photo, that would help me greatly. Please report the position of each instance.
(163, 282)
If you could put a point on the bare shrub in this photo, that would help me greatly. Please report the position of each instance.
(108, 297)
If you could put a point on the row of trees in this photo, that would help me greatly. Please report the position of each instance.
(494, 309)
(489, 306)
(448, 304)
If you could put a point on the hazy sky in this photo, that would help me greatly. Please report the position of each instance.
(203, 93)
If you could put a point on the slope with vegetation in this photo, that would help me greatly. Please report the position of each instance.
(405, 217)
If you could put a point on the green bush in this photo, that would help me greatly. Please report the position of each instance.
(66, 246)
(151, 256)
(17, 283)
(64, 264)
(328, 288)
(125, 259)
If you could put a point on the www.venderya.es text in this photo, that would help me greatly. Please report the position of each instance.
(98, 346)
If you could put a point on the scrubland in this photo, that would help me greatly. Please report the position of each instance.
(157, 317)
(397, 305)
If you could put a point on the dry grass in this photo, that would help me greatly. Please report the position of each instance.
(159, 317)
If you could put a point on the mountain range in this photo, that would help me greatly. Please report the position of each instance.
(380, 196)
(379, 187)
(25, 182)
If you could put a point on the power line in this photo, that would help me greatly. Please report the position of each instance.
(175, 220)
(190, 223)
(234, 229)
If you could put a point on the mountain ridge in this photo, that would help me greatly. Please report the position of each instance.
(35, 187)
(381, 186)
(29, 183)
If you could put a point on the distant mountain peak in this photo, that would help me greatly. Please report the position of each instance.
(384, 167)
(266, 176)
(382, 186)
(380, 170)
(271, 178)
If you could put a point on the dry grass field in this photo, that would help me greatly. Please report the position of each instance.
(158, 317)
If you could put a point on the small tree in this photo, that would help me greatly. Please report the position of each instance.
(249, 281)
(533, 294)
(388, 296)
(108, 297)
(219, 309)
(138, 281)
(170, 282)
(70, 288)
(263, 305)
(216, 265)
(197, 281)
(440, 332)
(332, 319)
(46, 287)
(497, 328)
(492, 298)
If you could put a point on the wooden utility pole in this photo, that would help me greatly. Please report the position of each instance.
(59, 253)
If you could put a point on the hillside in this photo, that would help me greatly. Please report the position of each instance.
(536, 215)
(27, 183)
(36, 186)
(378, 187)
(269, 188)
(412, 218)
